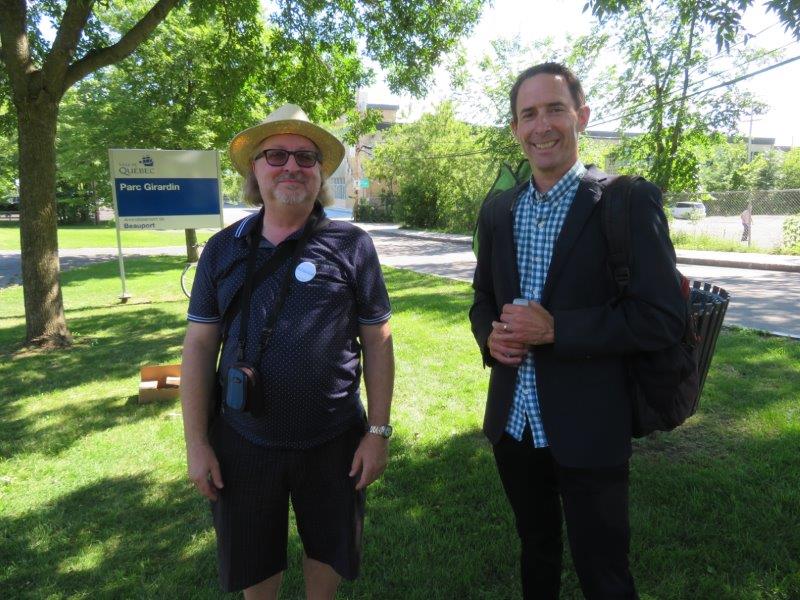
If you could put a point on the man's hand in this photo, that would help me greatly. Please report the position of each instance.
(504, 346)
(371, 458)
(530, 324)
(204, 469)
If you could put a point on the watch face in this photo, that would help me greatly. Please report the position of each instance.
(387, 431)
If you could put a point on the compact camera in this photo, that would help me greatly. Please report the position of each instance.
(242, 391)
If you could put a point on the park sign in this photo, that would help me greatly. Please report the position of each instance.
(166, 189)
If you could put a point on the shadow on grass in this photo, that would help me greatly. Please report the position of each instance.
(120, 537)
(714, 503)
(749, 374)
(711, 525)
(111, 349)
(438, 526)
(53, 431)
(9, 336)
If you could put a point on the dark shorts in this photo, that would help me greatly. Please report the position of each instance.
(252, 512)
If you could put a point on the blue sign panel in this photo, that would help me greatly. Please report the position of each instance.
(172, 196)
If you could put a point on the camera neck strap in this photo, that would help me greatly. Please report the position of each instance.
(291, 247)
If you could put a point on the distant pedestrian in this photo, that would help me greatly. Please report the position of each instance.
(747, 222)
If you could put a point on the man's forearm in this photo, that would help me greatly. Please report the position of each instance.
(379, 375)
(197, 387)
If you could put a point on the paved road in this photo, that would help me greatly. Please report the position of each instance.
(762, 299)
(767, 300)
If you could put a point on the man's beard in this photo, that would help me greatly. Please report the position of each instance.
(292, 196)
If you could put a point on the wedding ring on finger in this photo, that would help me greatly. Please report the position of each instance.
(505, 326)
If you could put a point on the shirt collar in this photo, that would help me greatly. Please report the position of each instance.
(246, 225)
(569, 180)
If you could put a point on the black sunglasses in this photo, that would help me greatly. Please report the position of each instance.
(277, 157)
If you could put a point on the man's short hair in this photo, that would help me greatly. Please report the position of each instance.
(549, 68)
(252, 194)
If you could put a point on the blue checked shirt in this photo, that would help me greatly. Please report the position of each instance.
(538, 219)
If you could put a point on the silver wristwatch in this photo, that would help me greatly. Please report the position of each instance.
(385, 431)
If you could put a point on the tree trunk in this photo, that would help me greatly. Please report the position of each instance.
(44, 307)
(191, 245)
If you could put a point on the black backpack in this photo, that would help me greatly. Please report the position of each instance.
(666, 383)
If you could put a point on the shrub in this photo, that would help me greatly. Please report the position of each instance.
(381, 212)
(791, 233)
(438, 168)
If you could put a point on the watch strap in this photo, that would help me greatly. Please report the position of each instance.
(385, 431)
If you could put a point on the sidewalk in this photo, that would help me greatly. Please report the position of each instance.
(737, 260)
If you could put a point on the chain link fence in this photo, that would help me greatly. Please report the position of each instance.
(726, 215)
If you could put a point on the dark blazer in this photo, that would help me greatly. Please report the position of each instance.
(581, 379)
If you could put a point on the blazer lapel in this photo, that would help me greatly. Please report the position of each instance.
(588, 194)
(507, 250)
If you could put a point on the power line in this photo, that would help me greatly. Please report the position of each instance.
(718, 55)
(623, 112)
(722, 53)
(753, 59)
(710, 89)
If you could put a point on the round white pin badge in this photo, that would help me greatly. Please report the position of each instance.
(305, 271)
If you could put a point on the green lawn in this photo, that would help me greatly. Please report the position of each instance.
(701, 241)
(94, 502)
(101, 236)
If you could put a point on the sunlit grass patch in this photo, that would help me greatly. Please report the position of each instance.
(94, 500)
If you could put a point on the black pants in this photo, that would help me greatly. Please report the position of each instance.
(595, 504)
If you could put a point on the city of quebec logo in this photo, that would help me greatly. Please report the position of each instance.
(144, 166)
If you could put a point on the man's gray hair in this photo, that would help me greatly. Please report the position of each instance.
(252, 194)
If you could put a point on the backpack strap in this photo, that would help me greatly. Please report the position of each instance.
(615, 210)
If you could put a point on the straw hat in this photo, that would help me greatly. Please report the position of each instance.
(289, 118)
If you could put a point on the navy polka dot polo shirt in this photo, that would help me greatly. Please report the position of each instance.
(311, 368)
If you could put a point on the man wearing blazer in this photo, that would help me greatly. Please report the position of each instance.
(549, 324)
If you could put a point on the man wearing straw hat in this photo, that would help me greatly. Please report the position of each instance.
(292, 299)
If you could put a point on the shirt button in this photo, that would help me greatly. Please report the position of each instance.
(540, 224)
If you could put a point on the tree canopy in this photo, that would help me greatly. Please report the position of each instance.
(309, 50)
(660, 89)
(724, 17)
(436, 169)
(790, 170)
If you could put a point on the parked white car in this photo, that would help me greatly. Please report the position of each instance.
(689, 210)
